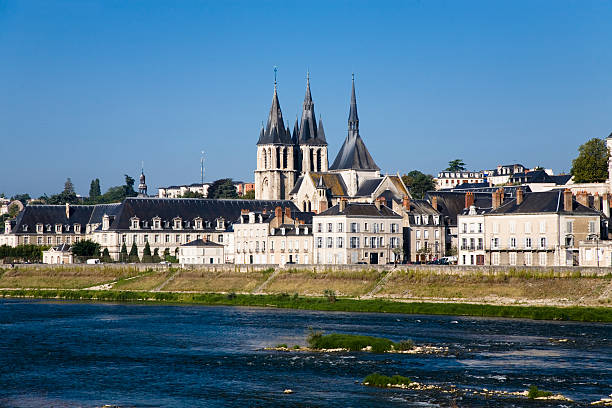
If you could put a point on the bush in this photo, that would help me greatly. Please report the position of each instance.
(282, 345)
(534, 392)
(351, 342)
(330, 295)
(383, 381)
(231, 296)
(404, 345)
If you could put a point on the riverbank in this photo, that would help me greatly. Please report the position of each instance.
(553, 293)
(573, 313)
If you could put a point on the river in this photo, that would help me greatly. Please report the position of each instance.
(66, 354)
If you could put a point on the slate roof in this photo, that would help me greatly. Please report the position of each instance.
(452, 203)
(308, 133)
(200, 243)
(275, 131)
(50, 215)
(361, 209)
(293, 230)
(190, 208)
(354, 155)
(368, 187)
(543, 202)
(62, 248)
(509, 191)
(538, 176)
(101, 209)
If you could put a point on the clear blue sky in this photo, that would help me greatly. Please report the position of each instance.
(90, 88)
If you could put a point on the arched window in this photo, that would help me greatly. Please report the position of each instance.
(265, 154)
(319, 166)
(284, 158)
(278, 158)
(311, 161)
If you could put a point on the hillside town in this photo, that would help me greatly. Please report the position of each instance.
(302, 210)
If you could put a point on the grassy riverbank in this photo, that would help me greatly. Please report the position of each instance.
(575, 313)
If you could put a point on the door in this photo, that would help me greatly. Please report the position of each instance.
(479, 259)
(374, 258)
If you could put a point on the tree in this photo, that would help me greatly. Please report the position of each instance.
(68, 186)
(133, 257)
(129, 186)
(86, 249)
(106, 258)
(456, 165)
(249, 195)
(24, 198)
(94, 189)
(192, 194)
(13, 210)
(418, 183)
(591, 165)
(156, 258)
(123, 255)
(222, 188)
(146, 254)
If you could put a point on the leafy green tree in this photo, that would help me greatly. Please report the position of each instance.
(129, 186)
(24, 198)
(156, 258)
(249, 195)
(456, 165)
(106, 258)
(146, 254)
(63, 198)
(133, 257)
(418, 183)
(94, 189)
(123, 254)
(166, 253)
(13, 210)
(85, 249)
(222, 188)
(591, 165)
(68, 186)
(28, 252)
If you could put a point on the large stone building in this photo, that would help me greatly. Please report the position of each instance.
(295, 166)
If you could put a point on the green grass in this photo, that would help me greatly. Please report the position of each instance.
(351, 342)
(534, 392)
(383, 381)
(574, 313)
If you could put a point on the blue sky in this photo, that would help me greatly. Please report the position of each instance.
(92, 88)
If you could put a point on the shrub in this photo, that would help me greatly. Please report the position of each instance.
(351, 342)
(297, 347)
(404, 345)
(379, 380)
(282, 345)
(330, 295)
(231, 296)
(534, 392)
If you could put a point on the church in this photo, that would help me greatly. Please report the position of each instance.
(294, 165)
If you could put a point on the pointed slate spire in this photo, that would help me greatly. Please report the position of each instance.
(321, 131)
(308, 132)
(353, 154)
(275, 132)
(296, 131)
(321, 183)
(353, 120)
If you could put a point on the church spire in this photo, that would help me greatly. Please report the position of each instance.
(275, 132)
(308, 132)
(353, 120)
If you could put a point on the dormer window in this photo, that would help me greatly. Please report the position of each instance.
(283, 231)
(24, 228)
(39, 228)
(105, 222)
(156, 223)
(221, 223)
(48, 227)
(198, 223)
(58, 228)
(67, 228)
(77, 228)
(134, 223)
(177, 223)
(425, 219)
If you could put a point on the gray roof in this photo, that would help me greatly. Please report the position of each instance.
(200, 243)
(275, 131)
(543, 202)
(308, 132)
(361, 209)
(50, 215)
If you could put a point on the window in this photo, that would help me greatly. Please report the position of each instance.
(376, 227)
(464, 228)
(354, 227)
(542, 258)
(319, 242)
(365, 226)
(26, 240)
(480, 227)
(542, 226)
(418, 234)
(592, 227)
(569, 227)
(512, 227)
(418, 246)
(495, 257)
(496, 228)
(319, 227)
(480, 244)
(340, 242)
(58, 228)
(373, 242)
(134, 224)
(495, 243)
(543, 242)
(330, 227)
(512, 242)
(528, 258)
(464, 243)
(437, 234)
(39, 241)
(528, 243)
(426, 234)
(512, 258)
(394, 228)
(177, 238)
(49, 241)
(146, 238)
(39, 228)
(340, 227)
(167, 238)
(330, 242)
(220, 238)
(187, 238)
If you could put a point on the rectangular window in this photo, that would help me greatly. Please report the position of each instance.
(167, 238)
(330, 242)
(512, 258)
(319, 227)
(512, 227)
(330, 227)
(495, 258)
(220, 238)
(591, 227)
(543, 242)
(496, 228)
(177, 238)
(146, 238)
(569, 226)
(340, 227)
(513, 242)
(480, 227)
(437, 234)
(393, 228)
(365, 226)
(528, 258)
(495, 243)
(418, 234)
(528, 243)
(319, 242)
(542, 258)
(354, 227)
(464, 228)
(26, 240)
(426, 234)
(527, 228)
(340, 242)
(39, 241)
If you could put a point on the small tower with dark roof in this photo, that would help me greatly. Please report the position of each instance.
(276, 174)
(142, 185)
(311, 138)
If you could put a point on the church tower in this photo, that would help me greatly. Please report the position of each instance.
(142, 185)
(276, 173)
(311, 139)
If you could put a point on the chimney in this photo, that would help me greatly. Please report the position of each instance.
(495, 199)
(322, 206)
(583, 198)
(265, 211)
(67, 210)
(501, 195)
(567, 200)
(519, 196)
(383, 201)
(606, 204)
(377, 204)
(342, 204)
(406, 203)
(469, 199)
(278, 212)
(244, 212)
(434, 202)
(288, 212)
(597, 202)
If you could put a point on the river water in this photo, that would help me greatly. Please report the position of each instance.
(65, 354)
